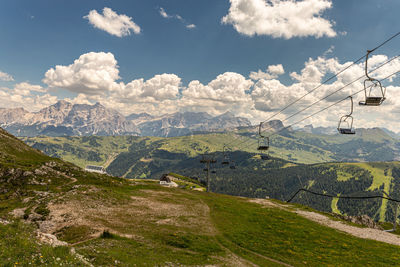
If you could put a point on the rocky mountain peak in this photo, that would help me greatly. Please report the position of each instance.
(273, 125)
(227, 114)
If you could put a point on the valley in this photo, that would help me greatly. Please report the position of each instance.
(92, 219)
(322, 163)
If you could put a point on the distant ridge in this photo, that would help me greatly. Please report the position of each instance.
(66, 119)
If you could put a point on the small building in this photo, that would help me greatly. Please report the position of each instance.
(167, 180)
(96, 169)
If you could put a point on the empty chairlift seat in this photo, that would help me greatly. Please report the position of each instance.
(372, 85)
(225, 160)
(263, 144)
(345, 125)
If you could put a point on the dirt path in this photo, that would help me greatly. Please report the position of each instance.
(110, 159)
(366, 233)
(254, 253)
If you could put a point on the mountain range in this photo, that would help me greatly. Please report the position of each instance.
(66, 119)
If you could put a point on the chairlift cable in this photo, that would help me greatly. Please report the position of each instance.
(327, 80)
(315, 113)
(329, 95)
(332, 77)
(340, 89)
(344, 197)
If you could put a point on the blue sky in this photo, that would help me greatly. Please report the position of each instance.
(38, 35)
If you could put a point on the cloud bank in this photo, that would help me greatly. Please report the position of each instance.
(6, 77)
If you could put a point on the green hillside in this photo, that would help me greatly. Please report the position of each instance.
(109, 221)
(150, 157)
(299, 147)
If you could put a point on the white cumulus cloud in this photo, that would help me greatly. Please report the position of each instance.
(21, 96)
(111, 22)
(6, 77)
(273, 72)
(190, 26)
(164, 14)
(227, 92)
(92, 73)
(159, 88)
(280, 18)
(27, 88)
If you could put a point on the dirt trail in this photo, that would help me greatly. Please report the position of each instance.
(110, 159)
(366, 233)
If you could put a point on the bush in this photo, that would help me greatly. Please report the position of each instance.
(106, 234)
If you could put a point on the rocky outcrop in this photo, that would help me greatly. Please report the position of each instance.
(363, 220)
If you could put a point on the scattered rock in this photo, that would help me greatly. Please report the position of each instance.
(18, 213)
(47, 226)
(51, 164)
(27, 199)
(364, 220)
(50, 239)
(40, 172)
(27, 173)
(80, 257)
(4, 222)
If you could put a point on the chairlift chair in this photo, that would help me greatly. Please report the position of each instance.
(265, 157)
(263, 141)
(263, 144)
(203, 160)
(233, 165)
(347, 120)
(225, 160)
(376, 85)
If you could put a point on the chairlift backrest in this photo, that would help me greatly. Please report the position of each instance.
(376, 84)
(225, 160)
(263, 141)
(348, 120)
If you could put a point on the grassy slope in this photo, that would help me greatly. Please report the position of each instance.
(232, 225)
(18, 245)
(305, 148)
(153, 225)
(107, 147)
(189, 145)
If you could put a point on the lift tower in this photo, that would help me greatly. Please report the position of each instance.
(207, 160)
